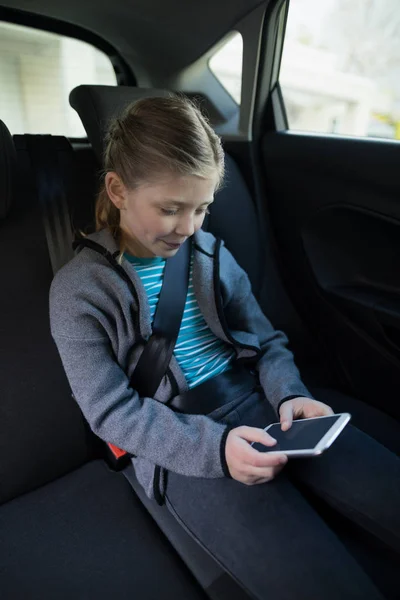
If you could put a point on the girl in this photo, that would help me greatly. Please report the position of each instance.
(163, 164)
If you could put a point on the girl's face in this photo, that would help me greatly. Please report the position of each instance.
(157, 218)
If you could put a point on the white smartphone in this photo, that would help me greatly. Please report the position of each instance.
(306, 437)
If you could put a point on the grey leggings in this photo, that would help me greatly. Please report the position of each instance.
(270, 538)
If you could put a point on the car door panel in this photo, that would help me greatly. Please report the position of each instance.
(334, 205)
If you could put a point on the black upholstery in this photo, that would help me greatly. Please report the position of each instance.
(87, 537)
(42, 432)
(233, 218)
(87, 177)
(97, 104)
(7, 170)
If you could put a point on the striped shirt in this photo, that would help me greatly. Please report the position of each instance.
(200, 354)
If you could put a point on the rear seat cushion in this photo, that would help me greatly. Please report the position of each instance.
(87, 536)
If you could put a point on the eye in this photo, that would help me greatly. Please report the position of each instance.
(168, 213)
(203, 211)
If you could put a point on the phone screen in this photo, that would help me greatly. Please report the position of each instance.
(303, 434)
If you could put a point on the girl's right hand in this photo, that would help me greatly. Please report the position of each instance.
(245, 463)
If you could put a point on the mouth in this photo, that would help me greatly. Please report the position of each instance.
(172, 246)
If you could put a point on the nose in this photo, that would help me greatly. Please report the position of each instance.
(185, 227)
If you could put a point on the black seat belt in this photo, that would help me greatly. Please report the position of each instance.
(44, 153)
(156, 356)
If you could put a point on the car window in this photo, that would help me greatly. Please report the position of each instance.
(37, 71)
(226, 64)
(340, 67)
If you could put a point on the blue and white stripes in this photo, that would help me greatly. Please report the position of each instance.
(200, 354)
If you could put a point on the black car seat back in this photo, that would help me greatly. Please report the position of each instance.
(42, 432)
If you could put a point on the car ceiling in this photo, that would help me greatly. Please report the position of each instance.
(169, 34)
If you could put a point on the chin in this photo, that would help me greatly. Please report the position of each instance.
(164, 251)
(167, 253)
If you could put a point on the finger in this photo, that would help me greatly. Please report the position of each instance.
(326, 411)
(265, 473)
(262, 460)
(318, 409)
(323, 409)
(286, 416)
(255, 434)
(259, 481)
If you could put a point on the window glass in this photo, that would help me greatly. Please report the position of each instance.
(37, 72)
(341, 65)
(226, 64)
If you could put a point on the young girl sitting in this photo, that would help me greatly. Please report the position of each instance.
(163, 164)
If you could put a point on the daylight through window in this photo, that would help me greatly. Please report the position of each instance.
(341, 65)
(37, 72)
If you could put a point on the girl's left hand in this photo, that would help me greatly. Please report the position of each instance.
(301, 408)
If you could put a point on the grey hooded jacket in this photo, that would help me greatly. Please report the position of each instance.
(100, 330)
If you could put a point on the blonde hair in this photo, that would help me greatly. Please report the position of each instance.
(154, 136)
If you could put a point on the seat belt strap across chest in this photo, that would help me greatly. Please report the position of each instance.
(157, 354)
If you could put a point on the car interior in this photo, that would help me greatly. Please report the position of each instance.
(313, 219)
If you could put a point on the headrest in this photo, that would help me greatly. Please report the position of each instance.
(98, 104)
(8, 159)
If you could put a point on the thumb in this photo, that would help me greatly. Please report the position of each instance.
(286, 415)
(255, 434)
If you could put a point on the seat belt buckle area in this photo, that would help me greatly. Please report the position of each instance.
(116, 458)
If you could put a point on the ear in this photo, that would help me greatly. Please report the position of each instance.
(115, 189)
